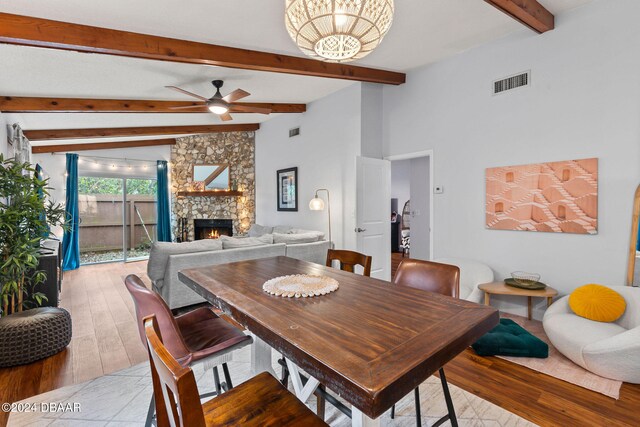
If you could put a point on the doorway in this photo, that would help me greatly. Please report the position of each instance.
(412, 206)
(117, 218)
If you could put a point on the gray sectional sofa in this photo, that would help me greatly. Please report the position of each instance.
(167, 259)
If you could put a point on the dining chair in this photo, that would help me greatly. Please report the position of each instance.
(441, 279)
(348, 260)
(196, 337)
(260, 401)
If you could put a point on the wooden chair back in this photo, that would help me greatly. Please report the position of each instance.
(174, 386)
(429, 276)
(348, 260)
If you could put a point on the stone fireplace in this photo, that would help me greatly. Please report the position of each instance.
(212, 228)
(233, 148)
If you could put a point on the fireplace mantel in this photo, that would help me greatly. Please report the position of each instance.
(209, 193)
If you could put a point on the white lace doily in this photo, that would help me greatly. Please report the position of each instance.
(300, 286)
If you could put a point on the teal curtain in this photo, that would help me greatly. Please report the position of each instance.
(164, 221)
(71, 238)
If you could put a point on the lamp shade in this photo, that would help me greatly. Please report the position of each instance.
(316, 204)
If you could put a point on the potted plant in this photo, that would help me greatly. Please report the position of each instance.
(26, 213)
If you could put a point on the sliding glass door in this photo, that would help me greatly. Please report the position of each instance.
(117, 218)
(101, 228)
(140, 216)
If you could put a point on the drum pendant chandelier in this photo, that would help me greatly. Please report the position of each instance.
(338, 30)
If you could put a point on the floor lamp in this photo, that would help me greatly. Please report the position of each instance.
(317, 204)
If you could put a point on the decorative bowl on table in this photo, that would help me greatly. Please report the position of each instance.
(524, 280)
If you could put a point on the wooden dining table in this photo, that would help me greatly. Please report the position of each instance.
(370, 342)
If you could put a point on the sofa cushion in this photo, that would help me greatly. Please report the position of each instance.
(315, 252)
(510, 339)
(282, 229)
(303, 231)
(597, 302)
(258, 230)
(295, 238)
(245, 242)
(160, 252)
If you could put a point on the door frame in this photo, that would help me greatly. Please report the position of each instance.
(415, 155)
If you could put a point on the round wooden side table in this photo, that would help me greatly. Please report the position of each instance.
(500, 288)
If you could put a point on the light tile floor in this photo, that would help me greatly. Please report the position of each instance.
(122, 399)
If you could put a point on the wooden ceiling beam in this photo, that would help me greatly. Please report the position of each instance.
(65, 148)
(45, 33)
(528, 12)
(16, 104)
(53, 134)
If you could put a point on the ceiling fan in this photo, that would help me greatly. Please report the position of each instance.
(220, 105)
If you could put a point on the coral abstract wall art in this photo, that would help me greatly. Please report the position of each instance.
(559, 197)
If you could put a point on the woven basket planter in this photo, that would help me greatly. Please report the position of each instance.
(33, 335)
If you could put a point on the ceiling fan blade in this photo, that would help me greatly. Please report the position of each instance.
(236, 95)
(186, 92)
(226, 117)
(250, 109)
(187, 107)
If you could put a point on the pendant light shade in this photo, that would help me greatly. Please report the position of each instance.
(338, 30)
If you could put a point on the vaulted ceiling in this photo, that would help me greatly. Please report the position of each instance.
(424, 31)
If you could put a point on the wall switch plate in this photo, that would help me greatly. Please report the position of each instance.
(438, 189)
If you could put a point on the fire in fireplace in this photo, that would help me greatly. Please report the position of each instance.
(212, 228)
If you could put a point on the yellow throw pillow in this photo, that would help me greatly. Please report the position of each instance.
(597, 302)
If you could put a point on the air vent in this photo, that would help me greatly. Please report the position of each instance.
(512, 82)
(294, 132)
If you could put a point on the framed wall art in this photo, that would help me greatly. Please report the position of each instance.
(556, 197)
(288, 189)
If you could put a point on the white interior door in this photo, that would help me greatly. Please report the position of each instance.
(373, 215)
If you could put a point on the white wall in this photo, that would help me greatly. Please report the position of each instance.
(401, 182)
(371, 123)
(324, 153)
(584, 102)
(420, 195)
(54, 165)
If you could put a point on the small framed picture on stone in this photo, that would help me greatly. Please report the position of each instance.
(288, 189)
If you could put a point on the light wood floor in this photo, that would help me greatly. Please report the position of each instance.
(105, 339)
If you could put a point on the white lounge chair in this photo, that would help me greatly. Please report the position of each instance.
(611, 350)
